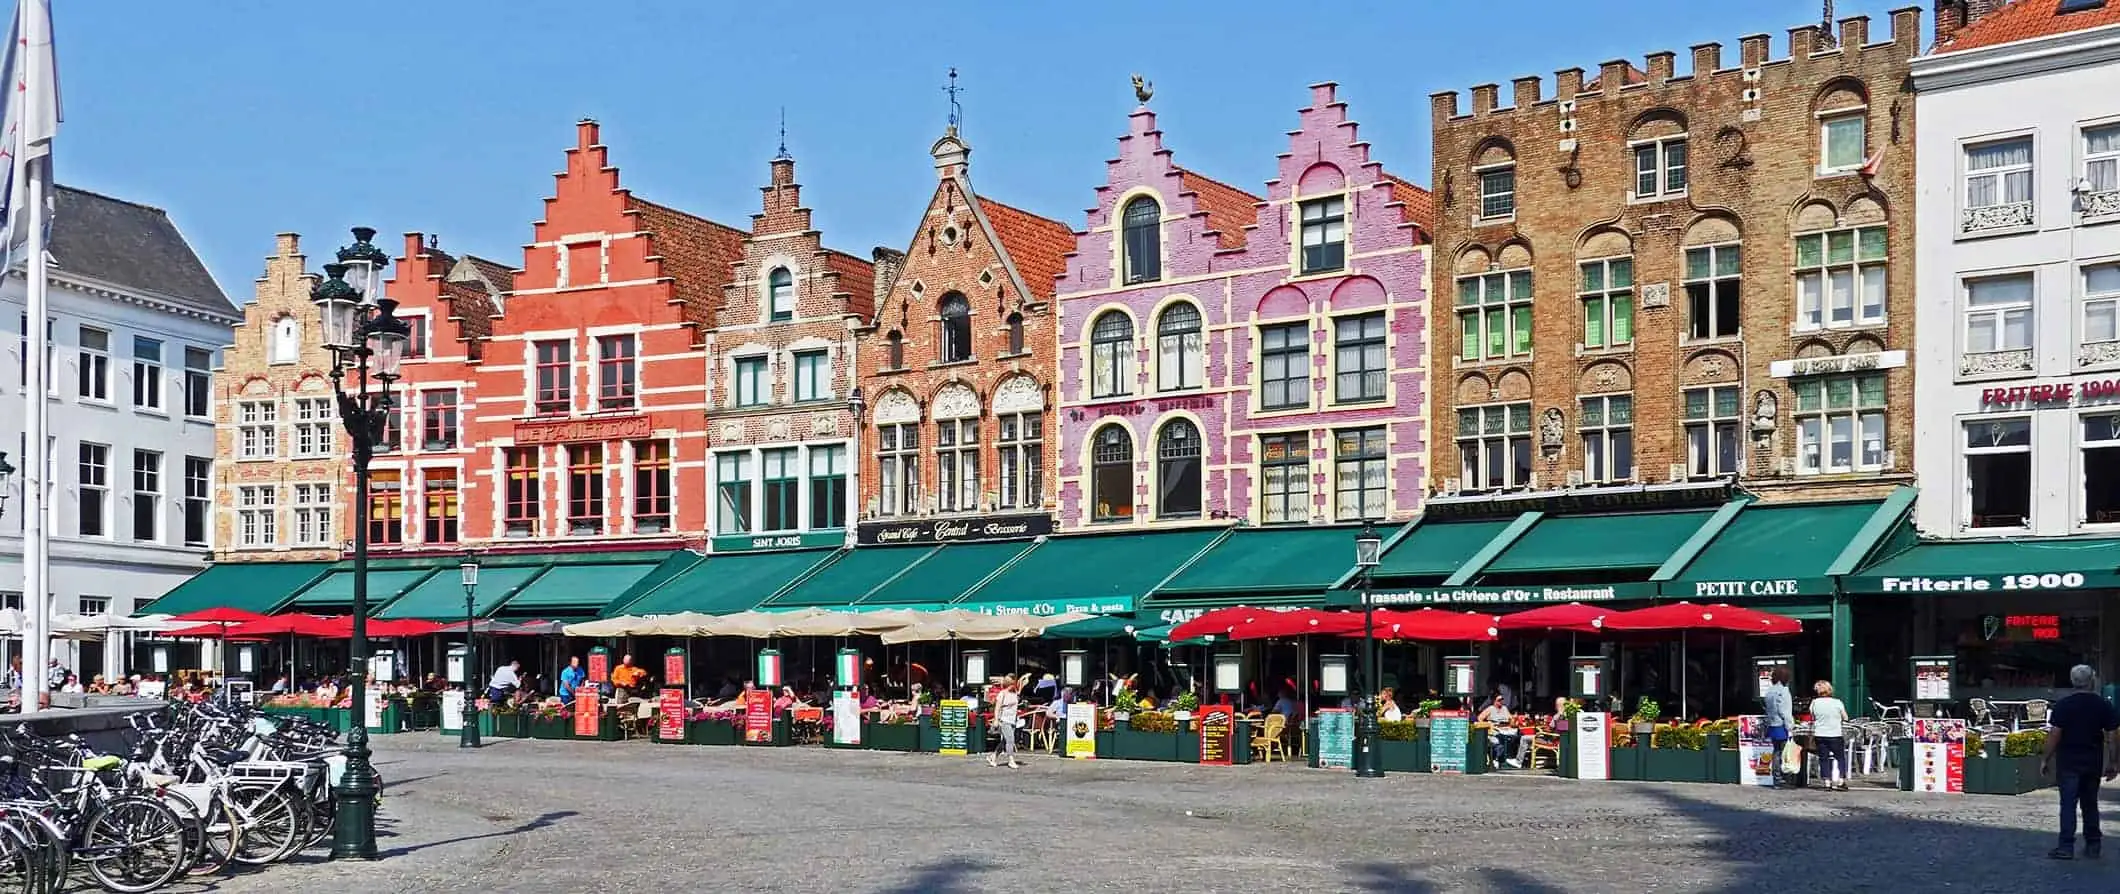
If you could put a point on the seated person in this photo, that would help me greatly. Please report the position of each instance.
(1503, 736)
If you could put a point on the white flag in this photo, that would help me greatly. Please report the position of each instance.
(29, 119)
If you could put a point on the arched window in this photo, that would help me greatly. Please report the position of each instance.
(1179, 352)
(894, 351)
(956, 328)
(286, 340)
(1111, 355)
(1178, 470)
(1111, 485)
(1015, 333)
(780, 292)
(1142, 229)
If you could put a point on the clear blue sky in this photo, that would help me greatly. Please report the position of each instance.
(245, 118)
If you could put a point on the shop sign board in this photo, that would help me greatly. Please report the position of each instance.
(1460, 675)
(452, 710)
(599, 665)
(846, 718)
(1335, 739)
(930, 531)
(1593, 739)
(1082, 730)
(670, 720)
(758, 717)
(1520, 595)
(674, 667)
(1031, 608)
(1588, 677)
(1764, 667)
(588, 712)
(1939, 755)
(751, 543)
(1448, 734)
(564, 431)
(1982, 583)
(2050, 394)
(1218, 734)
(1746, 589)
(953, 721)
(1755, 751)
(1932, 677)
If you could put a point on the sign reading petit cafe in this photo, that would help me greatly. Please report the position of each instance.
(2051, 393)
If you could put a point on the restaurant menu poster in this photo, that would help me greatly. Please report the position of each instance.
(758, 717)
(1335, 739)
(374, 712)
(953, 719)
(452, 710)
(1766, 665)
(588, 713)
(846, 718)
(670, 723)
(1939, 755)
(1082, 730)
(1755, 752)
(1588, 674)
(599, 665)
(1593, 737)
(1448, 734)
(674, 667)
(1932, 679)
(1459, 676)
(1218, 734)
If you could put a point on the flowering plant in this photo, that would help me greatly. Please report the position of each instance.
(716, 715)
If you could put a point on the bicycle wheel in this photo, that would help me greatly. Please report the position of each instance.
(18, 861)
(46, 853)
(219, 835)
(272, 828)
(133, 845)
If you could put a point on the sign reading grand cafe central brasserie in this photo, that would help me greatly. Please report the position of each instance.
(912, 531)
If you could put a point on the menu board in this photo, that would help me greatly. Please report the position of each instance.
(1082, 730)
(1592, 744)
(1932, 678)
(452, 710)
(1335, 739)
(1588, 677)
(588, 713)
(599, 665)
(1218, 734)
(1766, 665)
(1460, 676)
(1939, 755)
(674, 667)
(373, 715)
(953, 721)
(1448, 733)
(846, 718)
(670, 725)
(758, 717)
(1755, 751)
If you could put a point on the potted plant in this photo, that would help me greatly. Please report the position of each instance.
(898, 732)
(1422, 710)
(1402, 747)
(508, 723)
(1147, 736)
(1676, 753)
(2008, 767)
(708, 726)
(551, 721)
(1646, 712)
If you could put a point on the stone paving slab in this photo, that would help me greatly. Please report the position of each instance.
(642, 818)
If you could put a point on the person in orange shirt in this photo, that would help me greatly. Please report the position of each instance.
(625, 678)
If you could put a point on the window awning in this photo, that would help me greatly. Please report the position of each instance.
(1785, 549)
(579, 583)
(1264, 565)
(333, 594)
(949, 573)
(1574, 543)
(2056, 564)
(850, 577)
(722, 584)
(250, 586)
(1093, 573)
(1436, 549)
(441, 596)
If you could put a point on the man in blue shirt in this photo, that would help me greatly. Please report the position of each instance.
(1781, 717)
(2081, 747)
(570, 678)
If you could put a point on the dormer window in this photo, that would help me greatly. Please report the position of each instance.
(1142, 230)
(956, 328)
(780, 294)
(286, 340)
(1324, 234)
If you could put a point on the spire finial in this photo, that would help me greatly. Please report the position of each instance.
(956, 109)
(783, 134)
(1827, 37)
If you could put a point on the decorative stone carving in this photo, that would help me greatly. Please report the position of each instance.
(2101, 204)
(1711, 368)
(731, 432)
(1552, 430)
(824, 425)
(1995, 217)
(1018, 394)
(1993, 362)
(956, 401)
(897, 407)
(777, 428)
(2098, 353)
(1656, 294)
(1764, 407)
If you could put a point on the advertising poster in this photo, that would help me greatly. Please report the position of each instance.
(1218, 734)
(670, 722)
(452, 710)
(599, 665)
(1932, 679)
(953, 720)
(1593, 737)
(846, 718)
(674, 667)
(758, 717)
(1335, 739)
(374, 712)
(588, 713)
(1939, 755)
(1755, 752)
(1449, 733)
(1082, 730)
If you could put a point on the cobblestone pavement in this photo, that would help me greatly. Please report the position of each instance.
(640, 818)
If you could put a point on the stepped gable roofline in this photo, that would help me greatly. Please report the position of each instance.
(1229, 210)
(1806, 43)
(698, 256)
(134, 246)
(1416, 204)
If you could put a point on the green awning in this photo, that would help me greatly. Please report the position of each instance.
(723, 584)
(950, 573)
(582, 586)
(1774, 549)
(441, 596)
(1105, 627)
(1090, 572)
(1435, 549)
(1994, 566)
(851, 576)
(333, 594)
(1292, 561)
(1571, 543)
(249, 586)
(669, 569)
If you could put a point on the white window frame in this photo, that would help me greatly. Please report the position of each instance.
(812, 385)
(147, 374)
(1021, 440)
(2085, 444)
(1712, 430)
(1330, 226)
(1515, 429)
(2104, 303)
(1817, 304)
(1658, 152)
(1480, 175)
(1599, 465)
(745, 463)
(1368, 472)
(758, 391)
(1292, 502)
(313, 437)
(313, 514)
(1603, 298)
(1861, 116)
(1716, 281)
(1823, 426)
(198, 497)
(258, 429)
(257, 516)
(198, 380)
(147, 491)
(93, 384)
(1966, 452)
(957, 464)
(2000, 314)
(898, 465)
(2000, 174)
(1181, 353)
(2107, 161)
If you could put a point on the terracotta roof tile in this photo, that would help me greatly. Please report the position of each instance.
(857, 278)
(698, 255)
(472, 309)
(1416, 204)
(2025, 20)
(501, 275)
(1229, 209)
(1037, 245)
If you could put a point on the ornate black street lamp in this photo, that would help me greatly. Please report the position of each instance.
(470, 734)
(367, 341)
(1368, 547)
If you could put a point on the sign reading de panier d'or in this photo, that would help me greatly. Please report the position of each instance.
(564, 431)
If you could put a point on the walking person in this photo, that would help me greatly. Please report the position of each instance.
(1829, 737)
(1781, 717)
(1007, 704)
(2081, 747)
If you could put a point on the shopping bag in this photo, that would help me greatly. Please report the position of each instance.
(1791, 760)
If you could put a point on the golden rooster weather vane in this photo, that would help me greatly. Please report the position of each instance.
(1143, 89)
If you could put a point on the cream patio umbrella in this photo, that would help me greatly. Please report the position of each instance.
(623, 625)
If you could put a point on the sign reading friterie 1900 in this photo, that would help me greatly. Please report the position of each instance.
(954, 530)
(566, 431)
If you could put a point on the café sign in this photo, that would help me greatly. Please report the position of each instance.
(567, 431)
(906, 532)
(2051, 394)
(1497, 595)
(745, 543)
(1977, 583)
(1721, 589)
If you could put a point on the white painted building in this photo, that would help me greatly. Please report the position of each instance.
(136, 328)
(2017, 370)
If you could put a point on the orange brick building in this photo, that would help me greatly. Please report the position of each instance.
(958, 367)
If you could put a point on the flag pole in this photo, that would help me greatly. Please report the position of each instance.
(32, 165)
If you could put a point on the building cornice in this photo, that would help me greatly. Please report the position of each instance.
(2018, 59)
(157, 302)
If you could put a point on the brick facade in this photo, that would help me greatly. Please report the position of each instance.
(990, 397)
(1160, 395)
(781, 351)
(1773, 155)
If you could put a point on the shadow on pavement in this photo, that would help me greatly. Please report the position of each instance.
(953, 876)
(541, 822)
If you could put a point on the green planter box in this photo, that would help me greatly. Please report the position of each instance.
(536, 727)
(928, 738)
(1403, 757)
(485, 728)
(608, 729)
(394, 715)
(1994, 774)
(1566, 766)
(713, 732)
(1130, 744)
(1188, 745)
(1626, 763)
(684, 734)
(890, 736)
(1722, 761)
(1903, 757)
(1676, 765)
(339, 719)
(1107, 743)
(510, 725)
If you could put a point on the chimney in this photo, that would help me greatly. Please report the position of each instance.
(1953, 16)
(585, 133)
(889, 263)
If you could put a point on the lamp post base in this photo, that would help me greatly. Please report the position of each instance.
(1368, 763)
(353, 827)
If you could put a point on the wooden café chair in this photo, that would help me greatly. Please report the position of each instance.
(1267, 742)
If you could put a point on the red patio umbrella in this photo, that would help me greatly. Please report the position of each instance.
(1771, 623)
(1684, 616)
(206, 631)
(1573, 617)
(1300, 622)
(1432, 624)
(219, 616)
(296, 625)
(1216, 622)
(407, 627)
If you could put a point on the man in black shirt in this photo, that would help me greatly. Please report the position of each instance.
(2081, 747)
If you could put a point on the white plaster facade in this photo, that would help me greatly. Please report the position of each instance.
(2018, 259)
